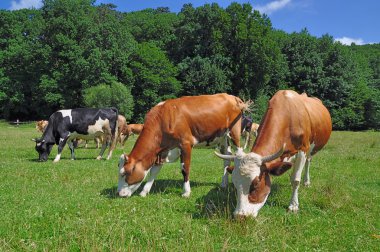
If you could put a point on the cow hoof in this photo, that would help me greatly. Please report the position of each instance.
(99, 158)
(293, 209)
(124, 194)
(143, 193)
(186, 194)
(306, 183)
(55, 161)
(223, 185)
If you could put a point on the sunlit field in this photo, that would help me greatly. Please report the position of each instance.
(72, 205)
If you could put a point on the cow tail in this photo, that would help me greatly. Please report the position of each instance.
(244, 106)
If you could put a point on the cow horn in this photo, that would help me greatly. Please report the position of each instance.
(33, 139)
(226, 157)
(273, 156)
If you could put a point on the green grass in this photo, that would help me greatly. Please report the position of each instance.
(72, 205)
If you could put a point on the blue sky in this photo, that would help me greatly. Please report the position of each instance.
(346, 20)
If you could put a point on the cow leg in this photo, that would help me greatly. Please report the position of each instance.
(113, 137)
(306, 176)
(61, 145)
(126, 136)
(246, 136)
(104, 147)
(226, 149)
(185, 167)
(295, 180)
(152, 176)
(71, 146)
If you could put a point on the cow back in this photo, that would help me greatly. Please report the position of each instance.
(293, 119)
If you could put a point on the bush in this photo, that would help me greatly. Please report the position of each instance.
(114, 95)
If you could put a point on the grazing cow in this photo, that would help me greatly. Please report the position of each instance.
(129, 130)
(85, 123)
(41, 125)
(179, 123)
(248, 128)
(297, 127)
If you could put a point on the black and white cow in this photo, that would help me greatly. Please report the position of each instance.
(84, 123)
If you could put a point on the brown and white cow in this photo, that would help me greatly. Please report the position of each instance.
(178, 123)
(41, 125)
(294, 127)
(129, 129)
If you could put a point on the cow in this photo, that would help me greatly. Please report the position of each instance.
(179, 123)
(84, 123)
(248, 128)
(293, 129)
(128, 130)
(41, 125)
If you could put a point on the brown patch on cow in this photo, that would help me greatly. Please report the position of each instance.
(278, 168)
(260, 188)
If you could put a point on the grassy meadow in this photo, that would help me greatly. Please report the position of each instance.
(72, 205)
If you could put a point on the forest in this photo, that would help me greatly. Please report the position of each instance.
(73, 53)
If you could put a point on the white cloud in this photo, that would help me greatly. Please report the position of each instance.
(272, 6)
(348, 41)
(25, 4)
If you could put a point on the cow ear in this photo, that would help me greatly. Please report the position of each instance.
(34, 139)
(278, 168)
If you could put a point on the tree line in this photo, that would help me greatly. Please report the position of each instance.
(73, 53)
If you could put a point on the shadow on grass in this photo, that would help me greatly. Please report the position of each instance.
(217, 203)
(160, 186)
(36, 160)
(221, 202)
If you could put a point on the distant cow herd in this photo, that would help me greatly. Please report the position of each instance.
(293, 129)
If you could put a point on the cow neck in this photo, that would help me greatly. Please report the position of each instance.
(48, 135)
(272, 134)
(148, 144)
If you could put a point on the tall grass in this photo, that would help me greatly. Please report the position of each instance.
(72, 205)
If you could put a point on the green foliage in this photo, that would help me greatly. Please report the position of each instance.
(115, 95)
(154, 78)
(259, 107)
(152, 25)
(204, 75)
(49, 56)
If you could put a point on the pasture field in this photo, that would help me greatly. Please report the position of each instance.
(72, 205)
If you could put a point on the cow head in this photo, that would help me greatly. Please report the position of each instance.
(251, 177)
(131, 175)
(43, 149)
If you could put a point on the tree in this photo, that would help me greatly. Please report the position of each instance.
(115, 95)
(204, 75)
(154, 79)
